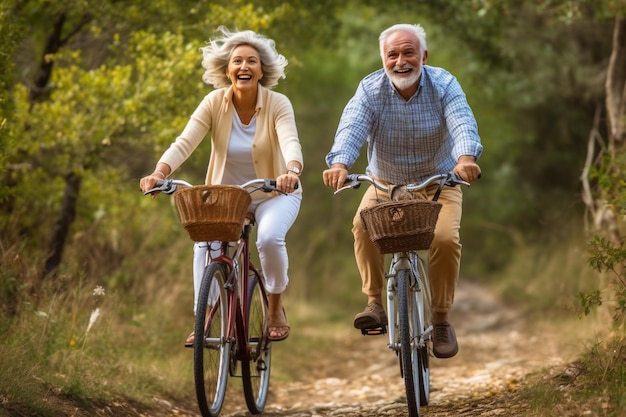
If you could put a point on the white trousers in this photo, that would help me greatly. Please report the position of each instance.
(274, 217)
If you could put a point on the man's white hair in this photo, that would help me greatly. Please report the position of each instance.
(417, 29)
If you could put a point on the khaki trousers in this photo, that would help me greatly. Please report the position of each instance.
(445, 252)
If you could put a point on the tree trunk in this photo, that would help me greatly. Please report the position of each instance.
(605, 218)
(67, 214)
(54, 42)
(616, 88)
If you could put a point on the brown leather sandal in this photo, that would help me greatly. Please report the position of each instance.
(279, 328)
(190, 339)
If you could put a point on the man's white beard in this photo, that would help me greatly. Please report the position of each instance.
(403, 83)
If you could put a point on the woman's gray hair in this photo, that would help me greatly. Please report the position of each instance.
(216, 56)
(418, 30)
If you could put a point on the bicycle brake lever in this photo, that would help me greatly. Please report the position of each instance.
(268, 185)
(453, 180)
(354, 184)
(171, 189)
(345, 187)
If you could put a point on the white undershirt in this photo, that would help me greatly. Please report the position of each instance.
(239, 165)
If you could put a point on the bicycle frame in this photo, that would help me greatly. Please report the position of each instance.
(238, 276)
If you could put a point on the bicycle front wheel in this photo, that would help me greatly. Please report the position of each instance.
(256, 370)
(413, 357)
(211, 350)
(423, 298)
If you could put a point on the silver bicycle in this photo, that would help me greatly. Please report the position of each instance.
(403, 227)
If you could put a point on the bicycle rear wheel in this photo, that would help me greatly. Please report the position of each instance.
(413, 357)
(256, 371)
(211, 351)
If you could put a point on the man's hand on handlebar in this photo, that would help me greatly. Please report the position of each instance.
(467, 169)
(335, 176)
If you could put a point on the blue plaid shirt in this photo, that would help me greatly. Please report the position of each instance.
(407, 141)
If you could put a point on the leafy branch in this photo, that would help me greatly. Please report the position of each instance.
(606, 256)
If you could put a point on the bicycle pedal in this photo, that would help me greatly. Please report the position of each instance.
(375, 331)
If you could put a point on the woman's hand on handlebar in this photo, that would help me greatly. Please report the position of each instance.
(335, 177)
(149, 182)
(287, 183)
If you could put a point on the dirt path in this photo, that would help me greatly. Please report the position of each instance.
(498, 349)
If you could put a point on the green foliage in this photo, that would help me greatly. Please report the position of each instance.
(589, 301)
(606, 256)
(9, 34)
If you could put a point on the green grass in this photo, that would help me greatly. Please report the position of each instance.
(593, 386)
(131, 351)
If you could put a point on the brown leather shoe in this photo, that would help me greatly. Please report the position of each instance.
(372, 317)
(444, 341)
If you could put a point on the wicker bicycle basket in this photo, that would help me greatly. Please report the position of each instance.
(397, 226)
(212, 212)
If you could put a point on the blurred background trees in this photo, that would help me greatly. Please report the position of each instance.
(95, 91)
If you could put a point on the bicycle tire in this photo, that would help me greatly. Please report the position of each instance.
(256, 371)
(410, 359)
(211, 350)
(424, 299)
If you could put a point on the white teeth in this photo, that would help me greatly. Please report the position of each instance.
(402, 69)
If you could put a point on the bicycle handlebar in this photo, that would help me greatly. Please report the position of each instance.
(450, 179)
(168, 186)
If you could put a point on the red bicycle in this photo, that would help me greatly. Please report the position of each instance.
(231, 326)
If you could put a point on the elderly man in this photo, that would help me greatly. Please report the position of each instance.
(416, 121)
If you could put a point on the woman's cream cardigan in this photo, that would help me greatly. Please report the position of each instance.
(275, 141)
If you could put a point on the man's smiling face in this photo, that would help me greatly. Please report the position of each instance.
(403, 60)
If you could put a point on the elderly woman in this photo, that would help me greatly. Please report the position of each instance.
(253, 135)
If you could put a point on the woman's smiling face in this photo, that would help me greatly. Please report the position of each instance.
(244, 68)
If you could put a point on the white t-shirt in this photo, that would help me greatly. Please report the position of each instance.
(239, 165)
